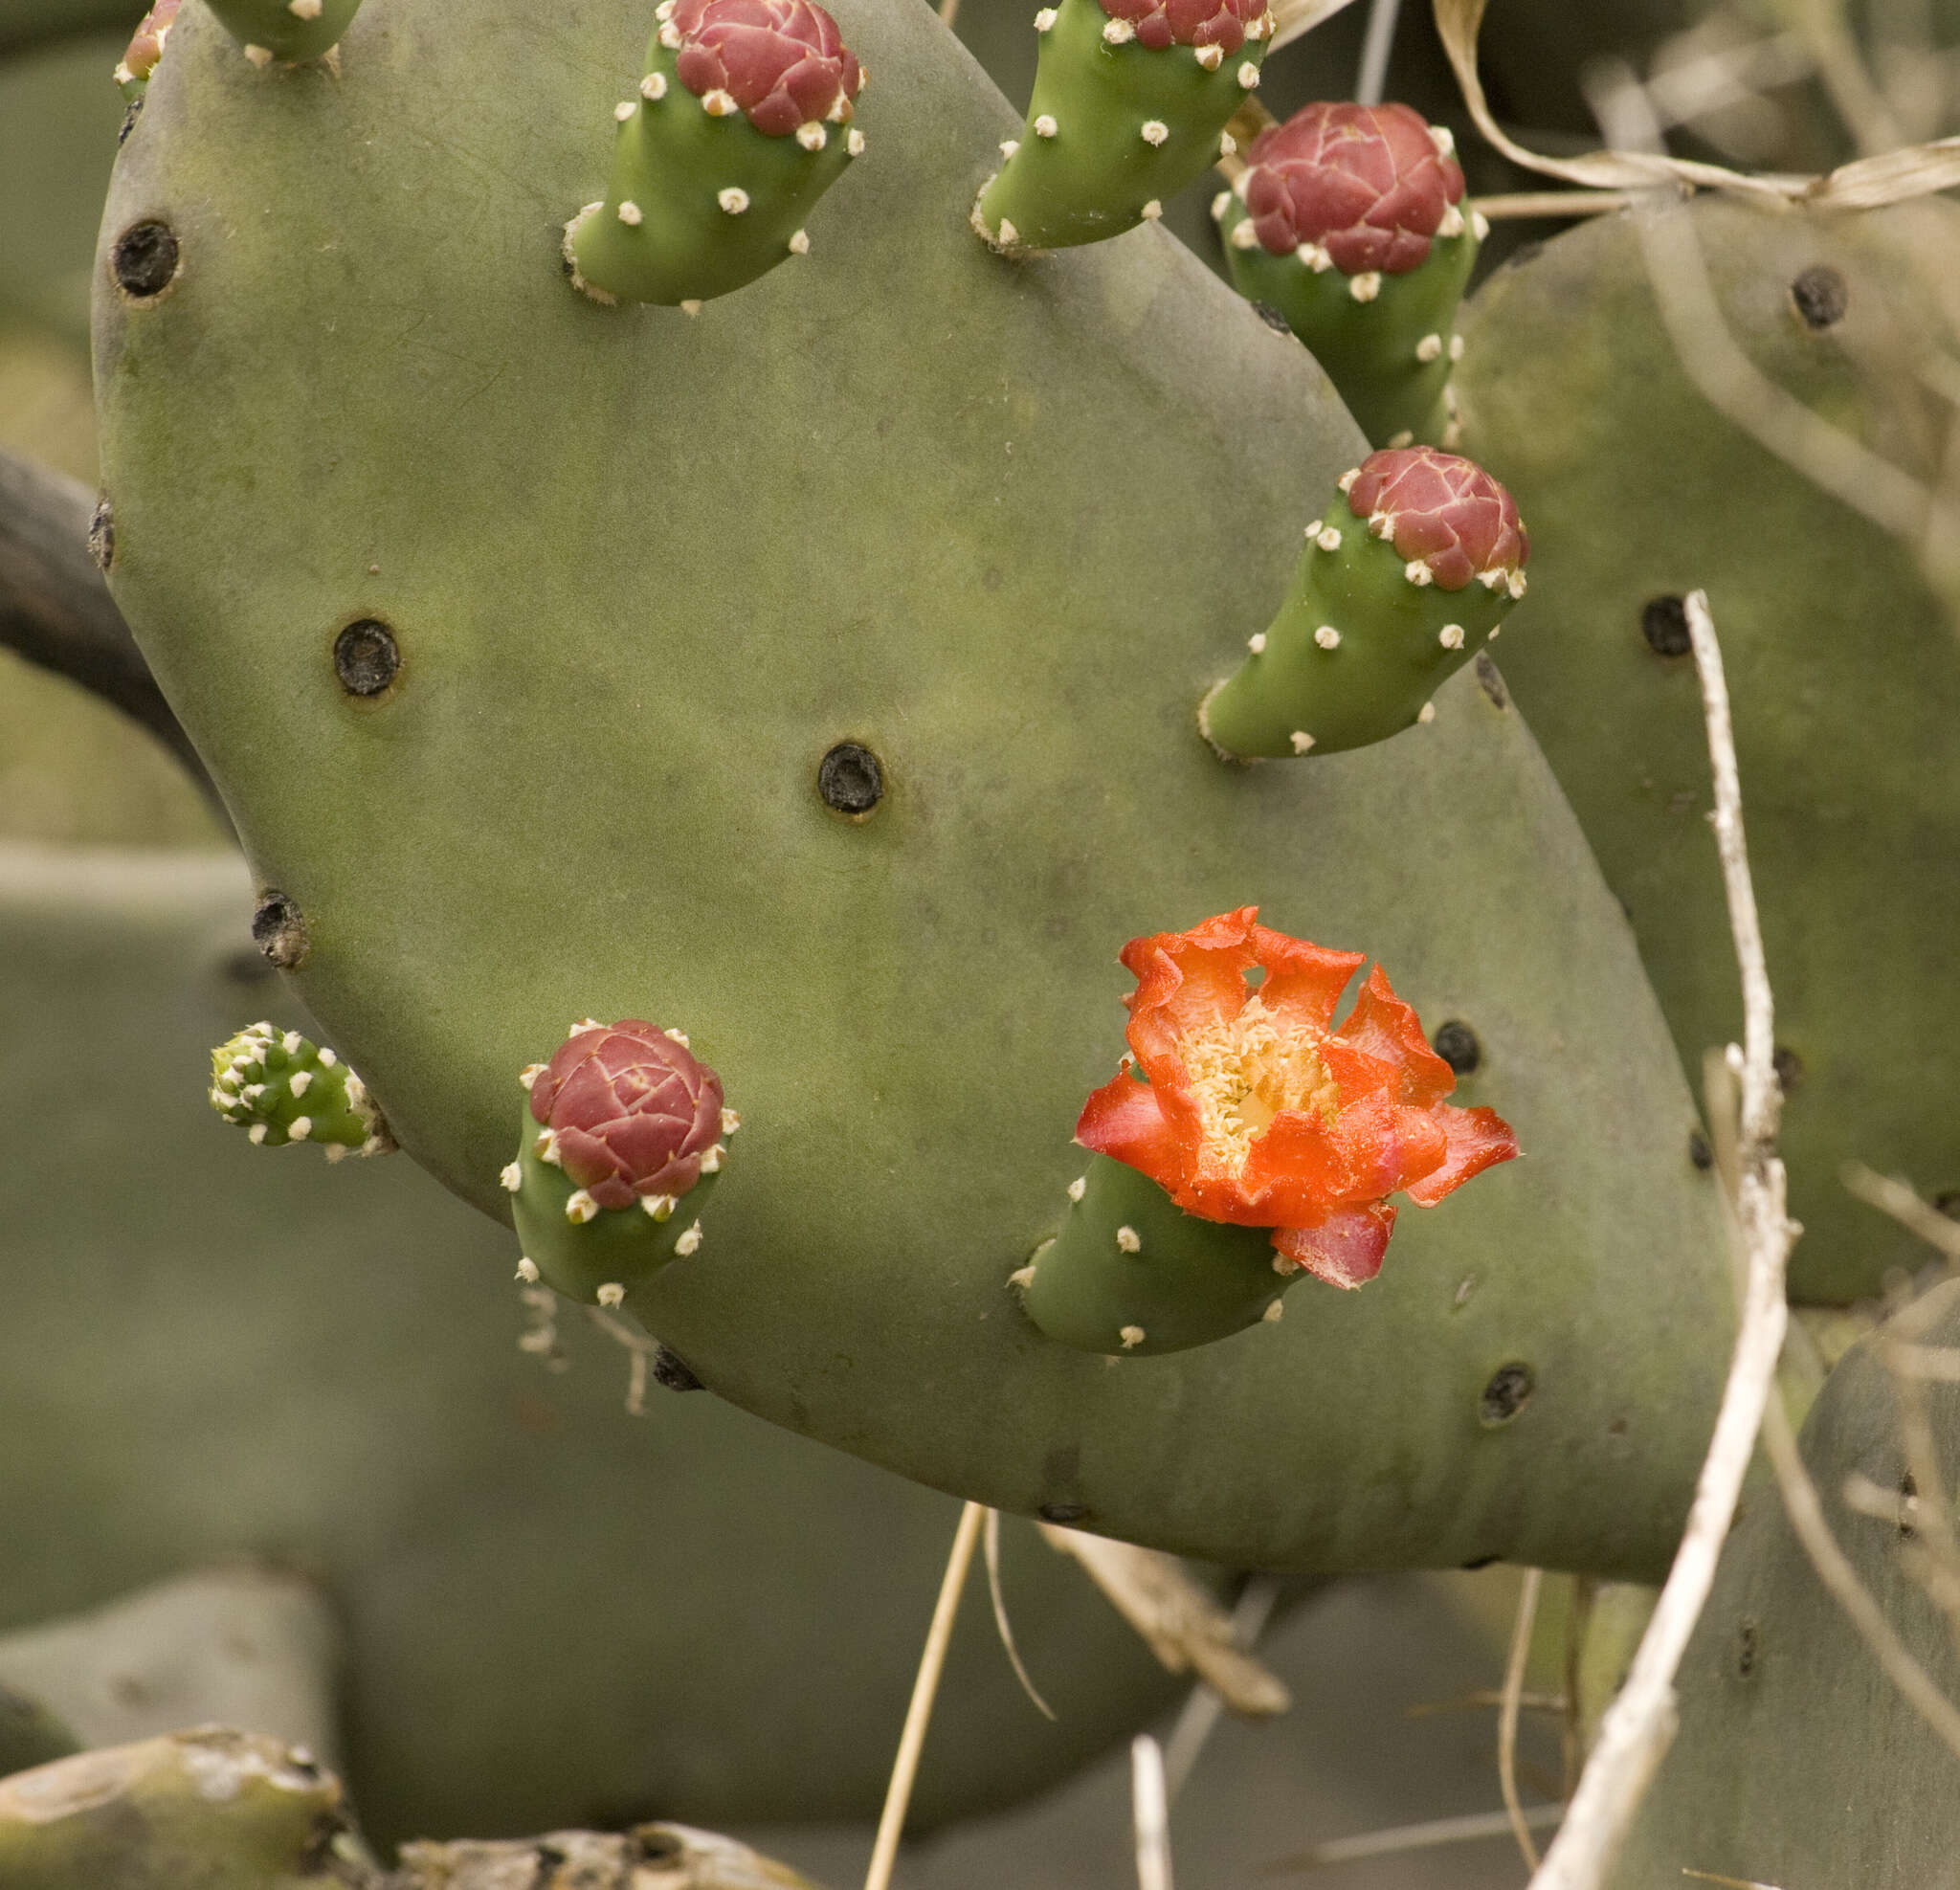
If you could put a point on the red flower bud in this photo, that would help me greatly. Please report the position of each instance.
(633, 1109)
(782, 61)
(1446, 511)
(1162, 23)
(1366, 182)
(1258, 1112)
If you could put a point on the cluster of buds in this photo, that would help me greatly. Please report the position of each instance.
(281, 1088)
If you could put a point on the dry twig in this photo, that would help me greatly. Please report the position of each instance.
(1636, 1728)
(990, 1550)
(1149, 1812)
(1507, 1714)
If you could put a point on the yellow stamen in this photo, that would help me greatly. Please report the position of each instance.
(1243, 1071)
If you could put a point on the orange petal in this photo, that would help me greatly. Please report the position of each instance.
(1345, 1248)
(1476, 1139)
(1387, 1146)
(1297, 1170)
(1304, 982)
(1385, 1027)
(1122, 1119)
(1189, 980)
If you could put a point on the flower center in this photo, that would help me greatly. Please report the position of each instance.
(1243, 1071)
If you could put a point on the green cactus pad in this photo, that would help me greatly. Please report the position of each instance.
(1357, 652)
(1386, 342)
(209, 1809)
(281, 1087)
(698, 204)
(1114, 131)
(1842, 663)
(630, 629)
(1798, 1761)
(1130, 1273)
(582, 1250)
(288, 31)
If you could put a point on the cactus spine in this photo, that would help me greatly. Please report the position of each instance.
(1401, 580)
(742, 119)
(1130, 103)
(281, 1087)
(287, 30)
(1347, 219)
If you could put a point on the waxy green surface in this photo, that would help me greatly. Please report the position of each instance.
(1003, 524)
(1843, 666)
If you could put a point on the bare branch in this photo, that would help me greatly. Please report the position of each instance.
(1638, 1725)
(56, 611)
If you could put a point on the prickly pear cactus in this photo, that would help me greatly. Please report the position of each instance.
(610, 709)
(322, 1365)
(1842, 663)
(1798, 1761)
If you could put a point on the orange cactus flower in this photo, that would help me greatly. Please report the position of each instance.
(1257, 1111)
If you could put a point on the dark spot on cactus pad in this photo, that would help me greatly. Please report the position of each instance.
(1700, 1153)
(1665, 624)
(851, 779)
(279, 931)
(1821, 296)
(1948, 1203)
(1272, 317)
(144, 260)
(1908, 1495)
(365, 658)
(102, 536)
(672, 1372)
(1789, 1068)
(1478, 1562)
(1745, 1647)
(1504, 1397)
(1063, 1512)
(1455, 1043)
(1490, 682)
(656, 1844)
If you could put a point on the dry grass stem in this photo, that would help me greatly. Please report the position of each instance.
(991, 1549)
(1401, 1837)
(898, 1797)
(1508, 1713)
(1639, 1724)
(1554, 203)
(1183, 1626)
(1488, 1696)
(1200, 1712)
(1376, 45)
(1905, 1206)
(1149, 1812)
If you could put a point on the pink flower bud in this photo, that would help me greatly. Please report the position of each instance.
(633, 1109)
(1162, 23)
(1365, 183)
(782, 61)
(1444, 509)
(147, 46)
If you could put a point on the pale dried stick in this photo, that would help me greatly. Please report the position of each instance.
(1397, 1838)
(898, 1797)
(1554, 203)
(1375, 47)
(991, 1544)
(1202, 1708)
(1904, 1206)
(1149, 1812)
(1638, 1726)
(1508, 1713)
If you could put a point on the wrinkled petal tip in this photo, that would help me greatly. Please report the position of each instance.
(1345, 1248)
(1476, 1139)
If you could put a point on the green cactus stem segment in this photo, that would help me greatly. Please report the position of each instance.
(1130, 1274)
(281, 1087)
(145, 48)
(1376, 620)
(623, 1135)
(1117, 125)
(706, 194)
(286, 31)
(1349, 220)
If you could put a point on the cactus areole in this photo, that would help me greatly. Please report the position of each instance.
(742, 122)
(621, 1123)
(1347, 219)
(1399, 582)
(1245, 1106)
(1130, 103)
